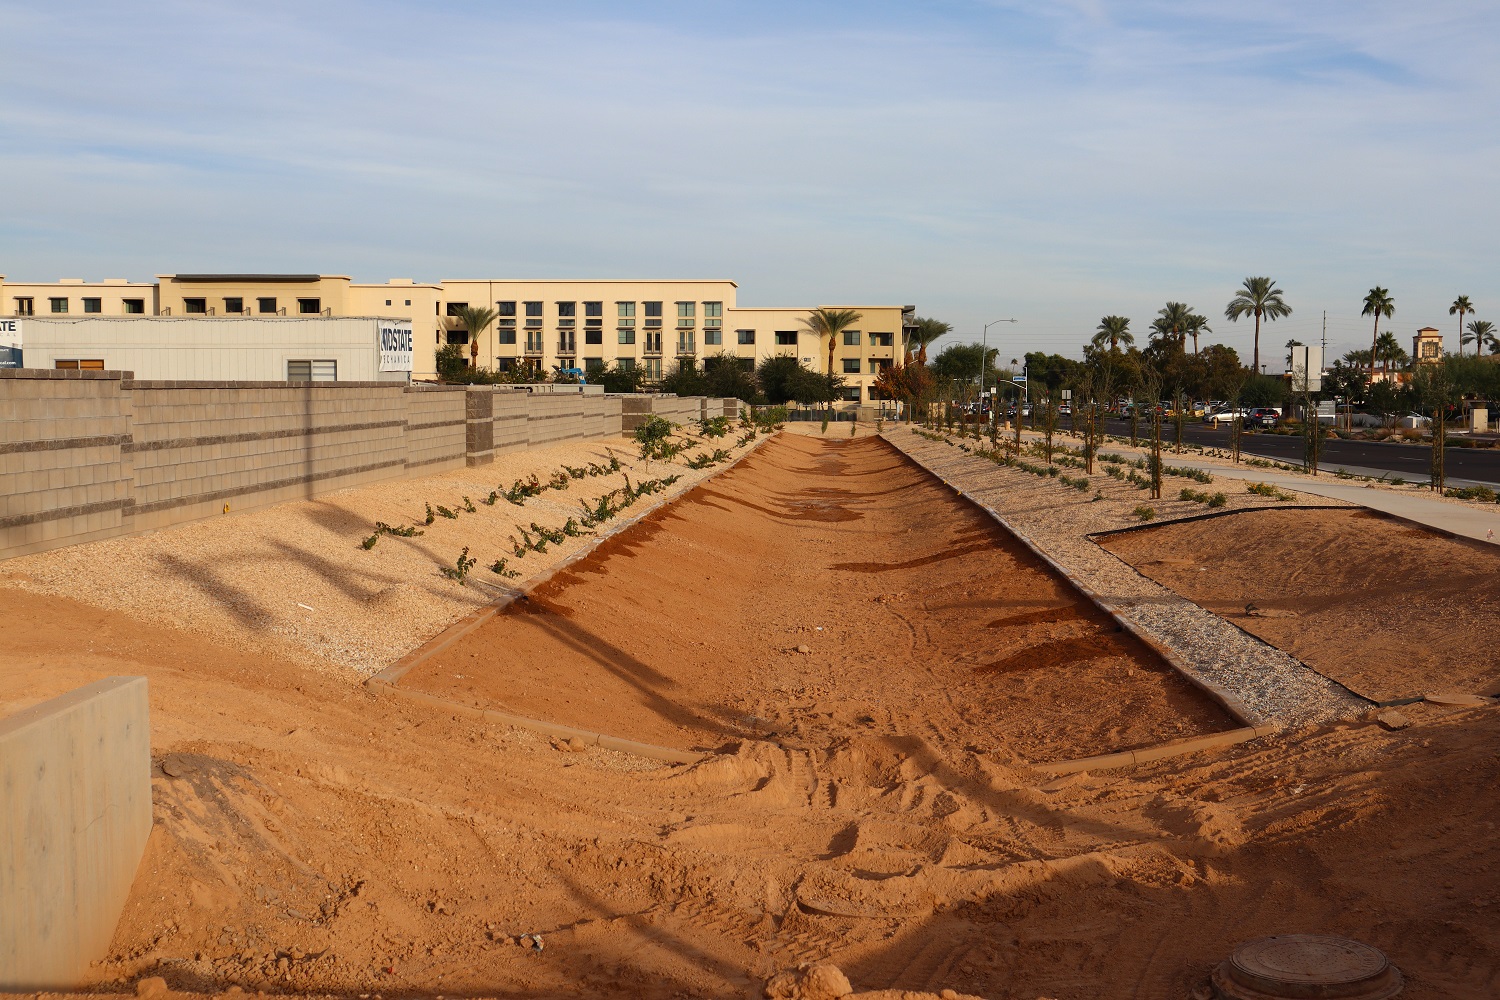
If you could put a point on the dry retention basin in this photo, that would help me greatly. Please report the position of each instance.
(819, 588)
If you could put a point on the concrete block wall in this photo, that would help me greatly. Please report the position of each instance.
(65, 468)
(90, 455)
(200, 446)
(435, 429)
(74, 820)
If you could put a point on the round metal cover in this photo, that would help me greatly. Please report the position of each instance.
(1306, 966)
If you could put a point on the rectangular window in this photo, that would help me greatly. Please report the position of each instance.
(878, 365)
(237, 305)
(458, 336)
(713, 338)
(74, 364)
(454, 308)
(195, 307)
(851, 338)
(504, 309)
(786, 338)
(134, 307)
(881, 339)
(652, 368)
(533, 310)
(310, 307)
(593, 309)
(505, 335)
(25, 306)
(687, 309)
(851, 393)
(851, 366)
(627, 335)
(593, 366)
(625, 364)
(408, 301)
(653, 310)
(59, 305)
(625, 310)
(593, 335)
(567, 309)
(312, 371)
(93, 305)
(713, 310)
(388, 302)
(746, 336)
(266, 305)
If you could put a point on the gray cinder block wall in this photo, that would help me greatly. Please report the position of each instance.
(74, 820)
(89, 455)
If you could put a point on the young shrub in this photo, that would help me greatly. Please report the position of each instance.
(469, 506)
(445, 512)
(430, 515)
(369, 543)
(499, 568)
(1145, 513)
(460, 570)
(1218, 500)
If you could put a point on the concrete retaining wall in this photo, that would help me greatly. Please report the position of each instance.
(90, 454)
(74, 818)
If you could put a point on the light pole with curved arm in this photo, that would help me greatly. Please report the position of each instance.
(984, 353)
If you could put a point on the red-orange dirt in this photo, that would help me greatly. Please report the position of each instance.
(918, 615)
(313, 840)
(1387, 609)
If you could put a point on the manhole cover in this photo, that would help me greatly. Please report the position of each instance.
(1305, 966)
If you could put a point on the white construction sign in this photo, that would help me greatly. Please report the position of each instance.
(395, 345)
(10, 343)
(1307, 369)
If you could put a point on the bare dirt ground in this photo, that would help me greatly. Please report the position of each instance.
(813, 591)
(1387, 609)
(312, 840)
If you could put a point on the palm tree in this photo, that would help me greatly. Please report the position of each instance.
(1258, 297)
(923, 333)
(830, 323)
(1174, 319)
(1197, 324)
(1482, 334)
(1114, 331)
(1390, 352)
(1378, 303)
(1462, 305)
(475, 319)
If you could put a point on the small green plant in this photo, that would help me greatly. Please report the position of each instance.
(1203, 496)
(469, 506)
(713, 427)
(825, 425)
(575, 472)
(1398, 480)
(445, 512)
(1267, 490)
(489, 501)
(1218, 500)
(572, 530)
(369, 543)
(1144, 513)
(552, 535)
(1483, 493)
(499, 568)
(460, 570)
(879, 425)
(560, 480)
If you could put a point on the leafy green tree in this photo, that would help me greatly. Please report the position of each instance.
(451, 362)
(785, 379)
(1378, 303)
(1113, 331)
(476, 319)
(1263, 390)
(617, 379)
(1462, 306)
(1258, 297)
(829, 323)
(726, 376)
(684, 379)
(923, 333)
(1481, 334)
(960, 363)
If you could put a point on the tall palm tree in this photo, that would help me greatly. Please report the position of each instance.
(1378, 303)
(1174, 319)
(1196, 324)
(1258, 297)
(923, 333)
(830, 323)
(1114, 331)
(1390, 352)
(475, 319)
(1462, 305)
(1482, 334)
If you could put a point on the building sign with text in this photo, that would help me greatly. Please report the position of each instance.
(395, 345)
(10, 343)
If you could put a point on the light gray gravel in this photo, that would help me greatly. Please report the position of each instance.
(1273, 686)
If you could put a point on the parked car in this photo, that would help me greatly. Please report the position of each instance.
(1227, 415)
(1263, 416)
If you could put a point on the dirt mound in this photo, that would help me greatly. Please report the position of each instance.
(1389, 610)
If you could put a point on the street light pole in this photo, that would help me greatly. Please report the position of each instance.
(984, 339)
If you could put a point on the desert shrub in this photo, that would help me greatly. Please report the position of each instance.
(460, 569)
(1144, 513)
(1483, 493)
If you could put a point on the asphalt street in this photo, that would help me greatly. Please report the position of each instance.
(1411, 461)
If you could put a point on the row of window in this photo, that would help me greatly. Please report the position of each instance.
(26, 305)
(265, 306)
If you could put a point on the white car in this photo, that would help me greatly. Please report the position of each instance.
(1225, 416)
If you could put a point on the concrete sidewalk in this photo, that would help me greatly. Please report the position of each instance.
(1471, 522)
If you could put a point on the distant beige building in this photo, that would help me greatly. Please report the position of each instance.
(1427, 345)
(587, 324)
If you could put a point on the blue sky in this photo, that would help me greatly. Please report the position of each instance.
(1048, 161)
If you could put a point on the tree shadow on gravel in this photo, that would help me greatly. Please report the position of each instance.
(239, 603)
